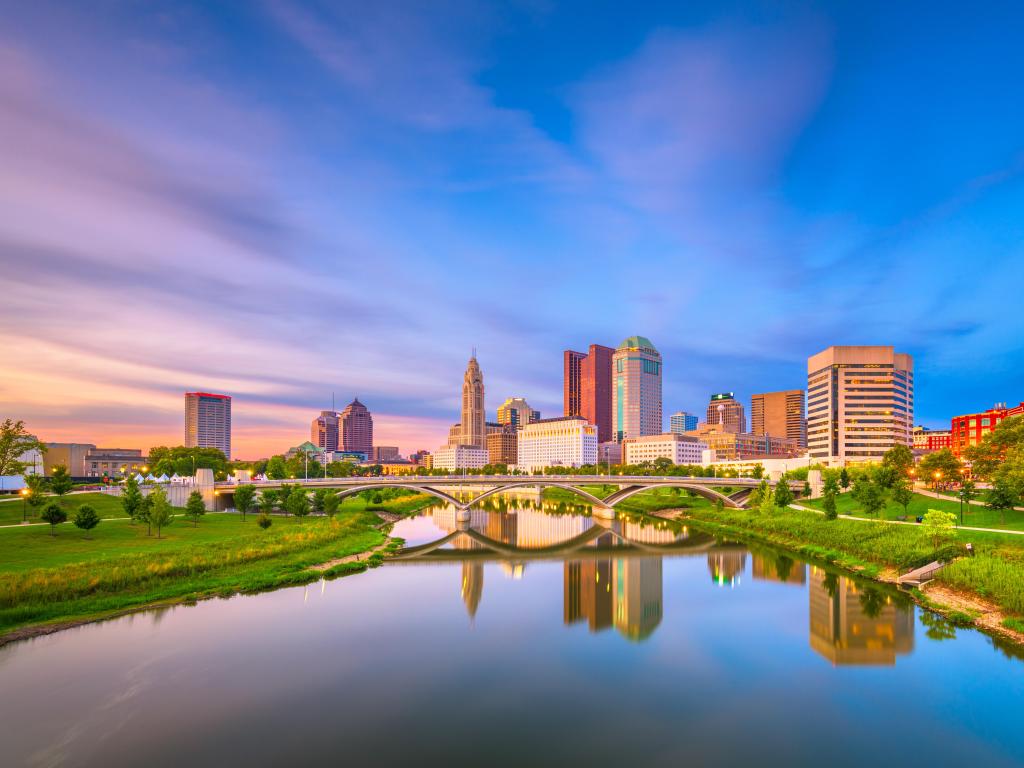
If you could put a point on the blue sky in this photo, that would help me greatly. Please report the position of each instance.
(280, 200)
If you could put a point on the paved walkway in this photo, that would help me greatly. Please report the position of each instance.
(907, 522)
(955, 499)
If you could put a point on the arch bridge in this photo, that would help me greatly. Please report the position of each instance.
(732, 492)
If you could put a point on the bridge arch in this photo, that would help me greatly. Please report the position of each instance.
(352, 490)
(540, 482)
(701, 490)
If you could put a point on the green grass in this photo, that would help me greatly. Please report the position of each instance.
(106, 506)
(980, 517)
(117, 567)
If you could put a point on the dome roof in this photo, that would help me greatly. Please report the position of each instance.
(638, 342)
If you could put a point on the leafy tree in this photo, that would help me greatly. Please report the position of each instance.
(829, 503)
(194, 507)
(331, 503)
(15, 442)
(131, 498)
(183, 460)
(264, 521)
(160, 513)
(885, 476)
(276, 469)
(60, 481)
(268, 502)
(940, 468)
(783, 494)
(143, 515)
(987, 457)
(967, 492)
(870, 495)
(298, 502)
(900, 459)
(830, 484)
(1002, 498)
(54, 515)
(806, 492)
(758, 472)
(844, 478)
(377, 499)
(938, 524)
(245, 496)
(767, 505)
(86, 518)
(36, 496)
(320, 500)
(902, 495)
(1011, 471)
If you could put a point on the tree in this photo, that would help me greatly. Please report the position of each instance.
(194, 507)
(160, 513)
(1001, 498)
(320, 500)
(870, 495)
(987, 456)
(807, 489)
(86, 518)
(276, 469)
(298, 502)
(264, 521)
(15, 442)
(331, 503)
(844, 478)
(131, 498)
(60, 481)
(145, 507)
(967, 492)
(268, 502)
(245, 496)
(902, 495)
(829, 503)
(767, 505)
(783, 494)
(900, 459)
(36, 494)
(184, 460)
(938, 524)
(940, 468)
(831, 484)
(54, 515)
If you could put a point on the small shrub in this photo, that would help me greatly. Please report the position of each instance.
(54, 515)
(264, 521)
(86, 518)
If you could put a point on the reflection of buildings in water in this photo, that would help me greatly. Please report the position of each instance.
(501, 527)
(650, 533)
(624, 592)
(851, 625)
(513, 571)
(780, 568)
(522, 528)
(472, 586)
(726, 567)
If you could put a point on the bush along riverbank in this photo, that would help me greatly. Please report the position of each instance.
(118, 570)
(985, 590)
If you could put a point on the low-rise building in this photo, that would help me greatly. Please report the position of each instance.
(452, 457)
(737, 446)
(383, 453)
(69, 455)
(110, 462)
(971, 428)
(568, 441)
(396, 467)
(679, 449)
(931, 440)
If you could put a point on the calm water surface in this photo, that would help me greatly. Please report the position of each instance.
(531, 638)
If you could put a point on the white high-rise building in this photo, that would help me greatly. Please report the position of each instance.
(860, 403)
(636, 389)
(208, 421)
(569, 441)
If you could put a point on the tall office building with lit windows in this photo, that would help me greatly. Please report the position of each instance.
(860, 403)
(208, 421)
(636, 389)
(727, 412)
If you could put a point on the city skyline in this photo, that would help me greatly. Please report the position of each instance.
(185, 185)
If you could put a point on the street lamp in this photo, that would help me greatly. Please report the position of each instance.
(24, 500)
(937, 476)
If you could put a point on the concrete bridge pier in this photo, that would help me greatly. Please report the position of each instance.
(462, 516)
(602, 512)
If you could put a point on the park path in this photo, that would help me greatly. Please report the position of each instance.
(941, 497)
(907, 522)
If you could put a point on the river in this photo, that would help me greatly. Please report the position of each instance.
(535, 636)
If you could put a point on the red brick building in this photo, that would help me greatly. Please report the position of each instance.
(932, 440)
(969, 429)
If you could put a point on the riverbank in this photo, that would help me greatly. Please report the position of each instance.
(985, 591)
(51, 583)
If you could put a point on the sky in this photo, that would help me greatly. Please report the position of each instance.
(281, 200)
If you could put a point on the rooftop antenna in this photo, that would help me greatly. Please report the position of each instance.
(474, 353)
(332, 401)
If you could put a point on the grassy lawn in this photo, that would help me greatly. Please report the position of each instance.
(104, 504)
(977, 516)
(71, 576)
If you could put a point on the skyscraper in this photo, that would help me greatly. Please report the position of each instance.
(636, 394)
(780, 414)
(587, 387)
(357, 428)
(860, 403)
(325, 431)
(516, 412)
(208, 421)
(682, 422)
(474, 430)
(725, 410)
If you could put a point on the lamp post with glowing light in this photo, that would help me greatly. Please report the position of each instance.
(937, 476)
(24, 501)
